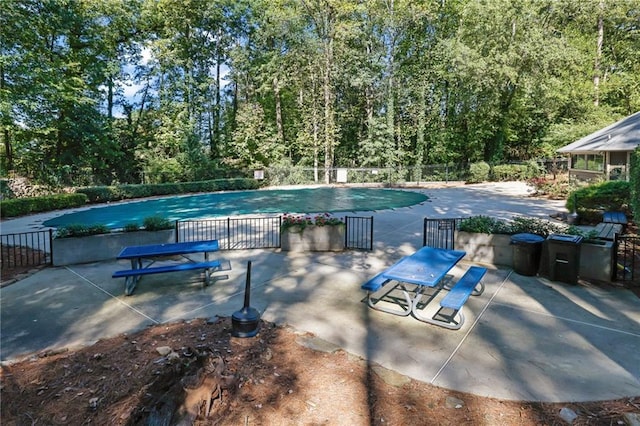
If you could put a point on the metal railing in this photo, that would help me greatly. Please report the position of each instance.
(233, 233)
(626, 259)
(440, 233)
(358, 233)
(264, 232)
(25, 249)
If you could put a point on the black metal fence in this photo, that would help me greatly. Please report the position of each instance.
(233, 234)
(440, 233)
(358, 233)
(626, 259)
(264, 232)
(25, 249)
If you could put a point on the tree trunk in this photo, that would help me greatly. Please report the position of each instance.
(216, 108)
(596, 68)
(279, 125)
(328, 112)
(8, 148)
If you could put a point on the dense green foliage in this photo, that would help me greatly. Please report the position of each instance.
(594, 199)
(635, 183)
(150, 223)
(99, 92)
(156, 223)
(479, 172)
(103, 194)
(81, 230)
(22, 206)
(518, 225)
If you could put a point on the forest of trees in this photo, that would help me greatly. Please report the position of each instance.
(241, 84)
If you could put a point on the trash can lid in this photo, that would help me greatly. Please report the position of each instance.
(526, 238)
(564, 238)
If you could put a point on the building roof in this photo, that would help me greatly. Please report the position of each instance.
(623, 135)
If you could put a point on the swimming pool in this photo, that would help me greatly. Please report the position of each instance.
(222, 204)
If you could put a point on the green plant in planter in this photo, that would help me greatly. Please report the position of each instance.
(519, 225)
(156, 223)
(131, 227)
(300, 222)
(530, 225)
(484, 225)
(80, 230)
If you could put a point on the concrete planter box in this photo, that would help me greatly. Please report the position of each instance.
(596, 260)
(94, 248)
(313, 238)
(493, 249)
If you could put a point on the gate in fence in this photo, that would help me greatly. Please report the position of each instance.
(626, 258)
(440, 233)
(358, 233)
(25, 249)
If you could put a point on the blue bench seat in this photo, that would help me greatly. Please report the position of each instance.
(450, 313)
(461, 291)
(167, 268)
(132, 276)
(375, 283)
(615, 217)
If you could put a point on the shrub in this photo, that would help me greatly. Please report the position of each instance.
(131, 227)
(552, 188)
(519, 225)
(22, 206)
(102, 194)
(531, 225)
(634, 179)
(483, 225)
(156, 223)
(79, 230)
(509, 172)
(592, 200)
(478, 172)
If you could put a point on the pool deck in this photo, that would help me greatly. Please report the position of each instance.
(525, 338)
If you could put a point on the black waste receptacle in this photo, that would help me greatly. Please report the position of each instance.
(564, 257)
(526, 253)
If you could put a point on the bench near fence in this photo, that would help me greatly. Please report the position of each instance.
(151, 253)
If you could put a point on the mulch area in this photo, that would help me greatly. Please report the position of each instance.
(196, 372)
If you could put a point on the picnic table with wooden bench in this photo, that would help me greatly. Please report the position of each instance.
(615, 217)
(138, 255)
(608, 231)
(424, 269)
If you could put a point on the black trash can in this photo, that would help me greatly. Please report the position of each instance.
(526, 253)
(564, 257)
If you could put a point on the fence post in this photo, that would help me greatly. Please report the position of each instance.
(50, 246)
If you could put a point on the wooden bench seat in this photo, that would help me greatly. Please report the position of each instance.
(615, 217)
(608, 231)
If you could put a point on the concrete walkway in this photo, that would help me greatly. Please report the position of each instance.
(525, 338)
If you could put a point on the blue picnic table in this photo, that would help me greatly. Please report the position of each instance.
(424, 269)
(143, 257)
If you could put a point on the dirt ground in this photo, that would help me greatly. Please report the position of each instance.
(196, 373)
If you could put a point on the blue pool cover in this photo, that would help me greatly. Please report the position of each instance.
(223, 204)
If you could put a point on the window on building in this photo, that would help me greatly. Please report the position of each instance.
(591, 162)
